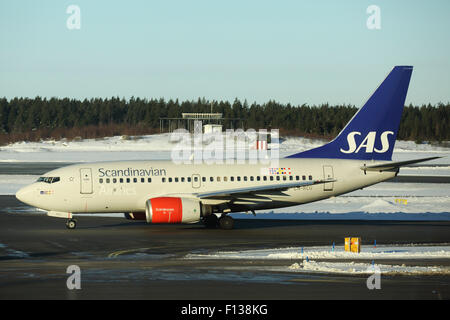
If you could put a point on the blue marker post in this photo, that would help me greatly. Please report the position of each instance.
(332, 249)
(375, 243)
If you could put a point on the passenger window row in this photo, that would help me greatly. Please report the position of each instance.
(239, 178)
(124, 180)
(204, 179)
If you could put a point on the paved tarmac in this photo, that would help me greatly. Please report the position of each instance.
(122, 259)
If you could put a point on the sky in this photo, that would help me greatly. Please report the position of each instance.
(294, 52)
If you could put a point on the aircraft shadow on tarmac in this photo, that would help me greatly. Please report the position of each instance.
(248, 224)
(240, 224)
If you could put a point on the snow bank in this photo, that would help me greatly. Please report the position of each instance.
(381, 252)
(340, 261)
(363, 268)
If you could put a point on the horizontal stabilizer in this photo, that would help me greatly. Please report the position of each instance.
(394, 165)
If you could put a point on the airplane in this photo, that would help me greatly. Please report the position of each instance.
(165, 192)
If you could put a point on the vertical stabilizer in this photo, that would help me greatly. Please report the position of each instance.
(372, 131)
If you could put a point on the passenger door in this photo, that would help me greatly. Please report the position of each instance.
(86, 181)
(328, 174)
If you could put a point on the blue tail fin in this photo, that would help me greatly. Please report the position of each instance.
(372, 131)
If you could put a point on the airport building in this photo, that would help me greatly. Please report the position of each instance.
(200, 122)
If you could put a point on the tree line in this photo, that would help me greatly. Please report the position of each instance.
(33, 119)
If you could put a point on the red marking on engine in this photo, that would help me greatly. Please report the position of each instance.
(167, 210)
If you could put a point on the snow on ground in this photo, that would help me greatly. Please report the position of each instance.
(361, 208)
(368, 252)
(9, 184)
(160, 146)
(310, 259)
(151, 147)
(426, 171)
(364, 268)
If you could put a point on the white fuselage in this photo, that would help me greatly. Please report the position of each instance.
(125, 186)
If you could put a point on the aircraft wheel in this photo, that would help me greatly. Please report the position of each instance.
(226, 222)
(71, 224)
(210, 221)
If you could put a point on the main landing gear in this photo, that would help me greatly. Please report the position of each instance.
(224, 222)
(71, 224)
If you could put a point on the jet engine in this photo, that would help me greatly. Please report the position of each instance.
(172, 210)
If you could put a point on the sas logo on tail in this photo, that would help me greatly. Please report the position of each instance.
(368, 143)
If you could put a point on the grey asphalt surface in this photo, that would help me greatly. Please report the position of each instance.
(122, 259)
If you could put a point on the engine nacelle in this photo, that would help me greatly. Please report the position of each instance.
(172, 210)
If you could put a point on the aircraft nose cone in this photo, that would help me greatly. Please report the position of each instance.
(24, 194)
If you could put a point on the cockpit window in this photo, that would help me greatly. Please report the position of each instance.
(48, 179)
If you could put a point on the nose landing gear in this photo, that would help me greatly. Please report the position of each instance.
(71, 224)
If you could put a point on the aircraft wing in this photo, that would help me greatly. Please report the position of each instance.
(239, 192)
(394, 165)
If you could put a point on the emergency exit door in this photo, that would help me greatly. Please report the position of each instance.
(328, 174)
(86, 180)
